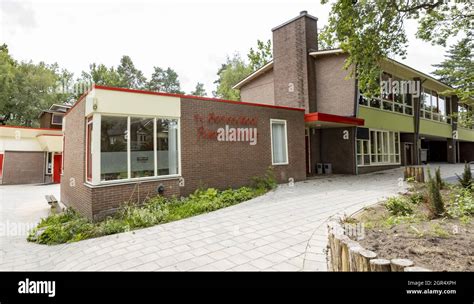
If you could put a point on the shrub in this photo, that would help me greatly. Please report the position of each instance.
(70, 226)
(398, 206)
(438, 178)
(466, 178)
(267, 182)
(461, 203)
(436, 201)
(416, 198)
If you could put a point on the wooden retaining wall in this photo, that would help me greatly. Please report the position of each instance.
(348, 255)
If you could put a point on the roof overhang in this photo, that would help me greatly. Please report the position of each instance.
(267, 67)
(324, 120)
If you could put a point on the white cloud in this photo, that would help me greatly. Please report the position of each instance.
(192, 37)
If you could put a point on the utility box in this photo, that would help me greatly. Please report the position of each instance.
(328, 168)
(319, 168)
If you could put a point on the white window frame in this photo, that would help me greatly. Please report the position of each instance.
(279, 121)
(390, 145)
(442, 118)
(381, 100)
(52, 119)
(96, 173)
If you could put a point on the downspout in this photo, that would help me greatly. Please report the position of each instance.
(356, 114)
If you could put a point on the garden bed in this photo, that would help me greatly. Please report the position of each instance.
(409, 227)
(70, 226)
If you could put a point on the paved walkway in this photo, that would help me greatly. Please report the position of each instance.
(283, 230)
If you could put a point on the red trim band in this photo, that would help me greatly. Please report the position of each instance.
(317, 116)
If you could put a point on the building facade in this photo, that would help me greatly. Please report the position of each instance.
(412, 122)
(33, 155)
(300, 114)
(127, 145)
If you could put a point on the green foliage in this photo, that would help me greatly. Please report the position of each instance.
(27, 88)
(199, 90)
(466, 179)
(416, 198)
(71, 227)
(439, 181)
(230, 73)
(458, 71)
(461, 203)
(370, 31)
(164, 81)
(399, 206)
(261, 56)
(267, 182)
(436, 200)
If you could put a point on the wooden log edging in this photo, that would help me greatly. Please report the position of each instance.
(417, 173)
(348, 255)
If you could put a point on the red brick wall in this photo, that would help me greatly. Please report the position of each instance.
(209, 163)
(204, 162)
(73, 191)
(23, 167)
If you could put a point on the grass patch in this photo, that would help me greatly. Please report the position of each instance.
(71, 227)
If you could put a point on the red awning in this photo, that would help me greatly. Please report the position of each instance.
(323, 120)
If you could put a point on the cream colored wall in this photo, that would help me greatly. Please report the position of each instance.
(127, 103)
(22, 144)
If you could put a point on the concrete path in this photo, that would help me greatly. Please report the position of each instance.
(283, 230)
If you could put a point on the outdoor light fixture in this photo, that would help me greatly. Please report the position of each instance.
(160, 189)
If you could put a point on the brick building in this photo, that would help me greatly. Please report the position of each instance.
(297, 112)
(33, 155)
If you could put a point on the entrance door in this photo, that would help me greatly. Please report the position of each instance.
(57, 168)
(408, 154)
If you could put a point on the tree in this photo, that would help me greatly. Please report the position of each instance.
(234, 70)
(199, 90)
(130, 77)
(261, 56)
(457, 70)
(102, 75)
(371, 30)
(164, 81)
(26, 89)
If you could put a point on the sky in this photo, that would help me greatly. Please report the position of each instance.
(191, 37)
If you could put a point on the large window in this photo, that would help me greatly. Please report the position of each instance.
(382, 148)
(136, 147)
(394, 99)
(113, 148)
(434, 106)
(142, 147)
(279, 142)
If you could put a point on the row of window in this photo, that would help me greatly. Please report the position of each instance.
(434, 106)
(135, 147)
(382, 148)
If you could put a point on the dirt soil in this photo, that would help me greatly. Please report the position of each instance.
(438, 244)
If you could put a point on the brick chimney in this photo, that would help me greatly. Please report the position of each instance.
(292, 65)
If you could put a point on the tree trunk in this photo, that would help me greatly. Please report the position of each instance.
(398, 265)
(380, 265)
(363, 258)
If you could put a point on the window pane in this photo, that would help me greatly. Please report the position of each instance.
(359, 146)
(408, 111)
(141, 147)
(366, 160)
(373, 140)
(388, 106)
(365, 144)
(359, 160)
(398, 108)
(375, 103)
(442, 105)
(408, 100)
(167, 146)
(279, 143)
(363, 101)
(113, 147)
